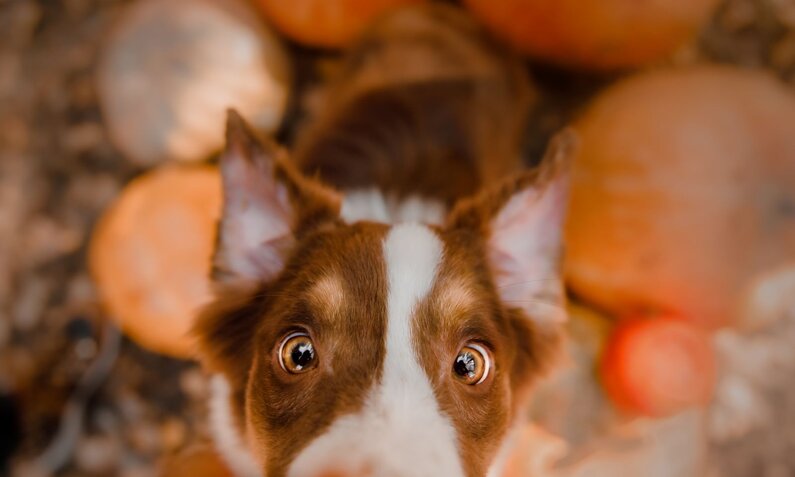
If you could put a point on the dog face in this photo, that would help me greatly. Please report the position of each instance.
(368, 349)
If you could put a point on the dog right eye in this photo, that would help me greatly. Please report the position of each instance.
(297, 353)
(472, 365)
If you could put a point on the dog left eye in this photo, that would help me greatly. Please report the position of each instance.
(472, 365)
(297, 353)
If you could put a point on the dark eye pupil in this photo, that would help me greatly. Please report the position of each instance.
(465, 365)
(303, 354)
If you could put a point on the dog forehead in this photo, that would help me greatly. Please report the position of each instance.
(341, 268)
(412, 253)
(327, 294)
(340, 265)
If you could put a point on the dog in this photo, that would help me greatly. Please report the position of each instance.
(389, 291)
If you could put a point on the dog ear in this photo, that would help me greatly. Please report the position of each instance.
(267, 203)
(521, 222)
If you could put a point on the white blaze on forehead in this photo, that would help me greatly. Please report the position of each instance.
(412, 254)
(401, 430)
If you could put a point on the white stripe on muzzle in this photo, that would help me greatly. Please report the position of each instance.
(400, 431)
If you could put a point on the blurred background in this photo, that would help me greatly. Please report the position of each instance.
(681, 234)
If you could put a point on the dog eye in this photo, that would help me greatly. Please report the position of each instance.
(297, 353)
(472, 365)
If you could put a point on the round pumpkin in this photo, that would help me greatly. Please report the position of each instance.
(201, 461)
(150, 255)
(173, 67)
(683, 191)
(325, 23)
(596, 34)
(657, 367)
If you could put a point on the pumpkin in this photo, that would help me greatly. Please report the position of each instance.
(657, 367)
(200, 461)
(325, 23)
(594, 34)
(573, 429)
(150, 255)
(173, 67)
(683, 193)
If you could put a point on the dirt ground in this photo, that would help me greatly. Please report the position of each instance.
(58, 171)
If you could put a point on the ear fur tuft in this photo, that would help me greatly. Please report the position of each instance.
(267, 203)
(522, 221)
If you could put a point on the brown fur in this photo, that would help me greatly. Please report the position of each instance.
(522, 353)
(425, 104)
(240, 338)
(287, 411)
(398, 141)
(475, 212)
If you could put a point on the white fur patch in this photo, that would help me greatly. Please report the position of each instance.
(525, 249)
(372, 204)
(500, 462)
(225, 434)
(256, 219)
(400, 430)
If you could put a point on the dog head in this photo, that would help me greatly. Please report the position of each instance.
(368, 349)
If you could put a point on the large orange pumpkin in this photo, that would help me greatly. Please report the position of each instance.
(150, 255)
(325, 23)
(683, 192)
(598, 34)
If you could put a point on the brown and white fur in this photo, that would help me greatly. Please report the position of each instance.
(401, 230)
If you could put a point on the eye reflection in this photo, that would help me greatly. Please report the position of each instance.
(472, 365)
(297, 353)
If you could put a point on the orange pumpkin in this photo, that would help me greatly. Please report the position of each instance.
(683, 191)
(325, 23)
(597, 34)
(150, 255)
(196, 462)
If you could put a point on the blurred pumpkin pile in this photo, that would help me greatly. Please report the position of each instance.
(170, 71)
(683, 188)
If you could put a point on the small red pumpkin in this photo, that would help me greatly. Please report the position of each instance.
(658, 366)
